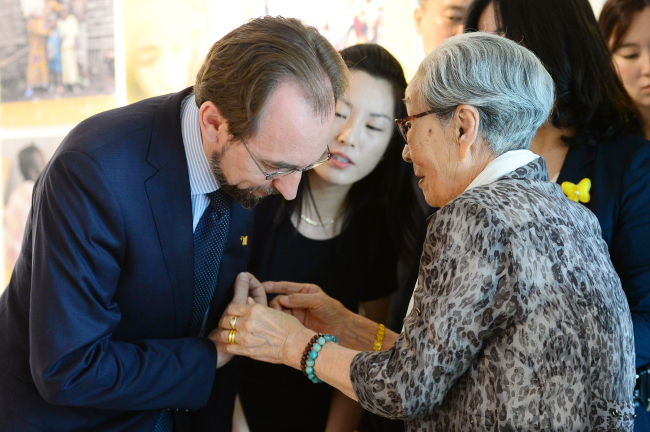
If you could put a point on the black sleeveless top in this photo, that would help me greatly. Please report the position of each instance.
(350, 267)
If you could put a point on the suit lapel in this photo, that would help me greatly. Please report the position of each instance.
(577, 165)
(169, 196)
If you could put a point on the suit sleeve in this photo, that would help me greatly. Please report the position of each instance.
(438, 345)
(78, 247)
(630, 249)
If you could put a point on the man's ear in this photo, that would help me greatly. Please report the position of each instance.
(466, 125)
(214, 127)
(418, 14)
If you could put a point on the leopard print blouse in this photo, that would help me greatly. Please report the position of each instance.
(519, 320)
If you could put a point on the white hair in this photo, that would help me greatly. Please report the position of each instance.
(505, 82)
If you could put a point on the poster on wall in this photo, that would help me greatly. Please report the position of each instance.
(166, 41)
(57, 61)
(349, 22)
(23, 159)
(343, 22)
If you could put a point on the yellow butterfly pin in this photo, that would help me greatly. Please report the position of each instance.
(579, 192)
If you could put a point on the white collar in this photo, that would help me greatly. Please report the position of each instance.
(503, 165)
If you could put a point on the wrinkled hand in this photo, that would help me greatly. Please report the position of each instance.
(264, 334)
(246, 287)
(310, 305)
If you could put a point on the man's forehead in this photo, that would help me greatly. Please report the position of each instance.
(454, 4)
(291, 135)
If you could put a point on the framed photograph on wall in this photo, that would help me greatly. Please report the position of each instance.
(23, 159)
(57, 61)
(350, 22)
(166, 41)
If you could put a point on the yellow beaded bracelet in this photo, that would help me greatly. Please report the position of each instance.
(380, 337)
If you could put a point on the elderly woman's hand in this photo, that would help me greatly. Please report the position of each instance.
(246, 287)
(321, 313)
(310, 305)
(263, 334)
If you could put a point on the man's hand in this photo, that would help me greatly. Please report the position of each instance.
(247, 290)
(247, 286)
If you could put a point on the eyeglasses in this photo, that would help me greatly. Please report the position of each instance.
(404, 124)
(279, 174)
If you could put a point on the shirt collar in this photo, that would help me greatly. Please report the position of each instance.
(502, 165)
(202, 180)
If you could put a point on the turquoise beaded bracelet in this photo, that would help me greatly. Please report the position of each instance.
(313, 348)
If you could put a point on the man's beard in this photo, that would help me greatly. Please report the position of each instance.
(247, 198)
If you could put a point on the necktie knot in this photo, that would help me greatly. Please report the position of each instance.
(219, 202)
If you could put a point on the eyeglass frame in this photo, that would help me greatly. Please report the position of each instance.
(280, 174)
(404, 124)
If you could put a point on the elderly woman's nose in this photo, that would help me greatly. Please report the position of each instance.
(406, 153)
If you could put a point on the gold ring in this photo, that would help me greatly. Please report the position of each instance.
(231, 337)
(233, 321)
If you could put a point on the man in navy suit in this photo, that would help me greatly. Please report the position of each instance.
(134, 239)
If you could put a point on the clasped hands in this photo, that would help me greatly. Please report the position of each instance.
(274, 334)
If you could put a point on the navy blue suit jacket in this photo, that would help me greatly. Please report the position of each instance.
(94, 322)
(619, 171)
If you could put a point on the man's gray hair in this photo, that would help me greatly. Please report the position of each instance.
(507, 83)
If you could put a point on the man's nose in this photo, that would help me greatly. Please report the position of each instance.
(288, 185)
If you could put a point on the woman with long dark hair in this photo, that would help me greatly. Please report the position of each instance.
(626, 27)
(353, 220)
(593, 141)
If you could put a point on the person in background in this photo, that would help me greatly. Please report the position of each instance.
(353, 219)
(68, 25)
(54, 55)
(626, 27)
(31, 163)
(593, 141)
(436, 20)
(79, 8)
(38, 30)
(519, 321)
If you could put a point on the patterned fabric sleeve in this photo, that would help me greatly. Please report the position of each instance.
(467, 292)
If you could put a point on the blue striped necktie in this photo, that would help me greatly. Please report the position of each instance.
(209, 241)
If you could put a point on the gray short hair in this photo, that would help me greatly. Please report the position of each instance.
(506, 82)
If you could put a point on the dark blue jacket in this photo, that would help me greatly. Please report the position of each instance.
(619, 171)
(94, 322)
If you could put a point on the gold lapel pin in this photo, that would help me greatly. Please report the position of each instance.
(244, 240)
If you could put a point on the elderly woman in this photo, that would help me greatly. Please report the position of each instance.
(519, 321)
(593, 143)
